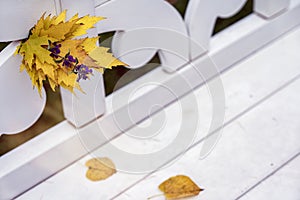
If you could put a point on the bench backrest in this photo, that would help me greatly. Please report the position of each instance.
(143, 28)
(156, 29)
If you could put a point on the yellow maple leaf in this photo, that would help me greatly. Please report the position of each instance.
(22, 66)
(36, 76)
(87, 22)
(81, 25)
(100, 169)
(53, 84)
(179, 186)
(58, 31)
(44, 24)
(74, 48)
(89, 44)
(33, 48)
(60, 18)
(104, 59)
(51, 53)
(47, 22)
(35, 31)
(41, 78)
(68, 79)
(46, 68)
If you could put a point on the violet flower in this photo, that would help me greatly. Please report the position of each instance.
(82, 72)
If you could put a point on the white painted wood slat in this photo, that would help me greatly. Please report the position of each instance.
(82, 108)
(254, 84)
(270, 8)
(250, 148)
(284, 183)
(17, 17)
(235, 44)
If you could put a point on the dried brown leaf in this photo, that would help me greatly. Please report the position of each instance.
(179, 186)
(100, 169)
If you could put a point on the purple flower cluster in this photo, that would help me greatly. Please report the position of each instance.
(69, 61)
(82, 71)
(55, 50)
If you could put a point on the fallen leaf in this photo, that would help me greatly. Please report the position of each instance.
(179, 186)
(100, 169)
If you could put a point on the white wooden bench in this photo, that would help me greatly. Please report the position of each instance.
(190, 61)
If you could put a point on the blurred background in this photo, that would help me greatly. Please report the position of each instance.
(53, 113)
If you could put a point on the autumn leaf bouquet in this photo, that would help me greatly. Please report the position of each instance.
(54, 53)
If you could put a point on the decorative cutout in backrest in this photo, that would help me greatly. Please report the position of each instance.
(20, 105)
(143, 28)
(139, 38)
(132, 44)
(201, 17)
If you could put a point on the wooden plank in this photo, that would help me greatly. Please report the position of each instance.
(91, 133)
(283, 184)
(36, 163)
(250, 148)
(254, 85)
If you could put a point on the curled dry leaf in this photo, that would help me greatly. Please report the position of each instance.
(100, 169)
(179, 186)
